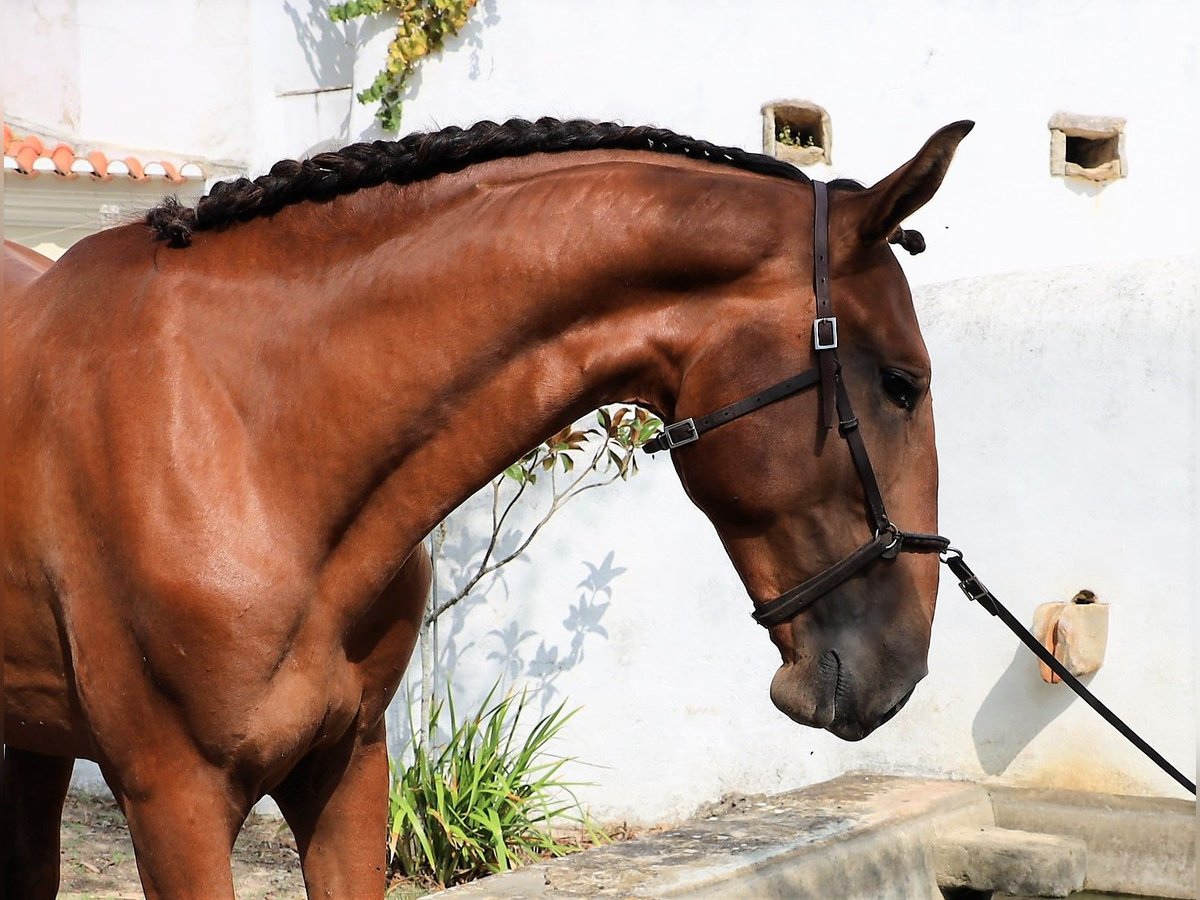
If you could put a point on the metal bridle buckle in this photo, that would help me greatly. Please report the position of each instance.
(830, 344)
(679, 434)
(975, 591)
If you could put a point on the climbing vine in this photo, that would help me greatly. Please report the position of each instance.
(423, 27)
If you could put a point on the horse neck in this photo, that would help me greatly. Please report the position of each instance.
(493, 308)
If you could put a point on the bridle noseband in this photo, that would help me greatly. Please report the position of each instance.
(888, 541)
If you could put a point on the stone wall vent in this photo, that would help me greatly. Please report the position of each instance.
(1091, 147)
(798, 132)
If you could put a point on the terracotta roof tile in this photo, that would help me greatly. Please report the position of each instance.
(27, 156)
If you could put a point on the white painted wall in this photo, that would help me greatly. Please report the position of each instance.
(1065, 395)
(1059, 316)
(889, 74)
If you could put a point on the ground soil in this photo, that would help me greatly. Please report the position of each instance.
(98, 864)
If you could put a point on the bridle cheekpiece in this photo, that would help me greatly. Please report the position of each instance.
(888, 541)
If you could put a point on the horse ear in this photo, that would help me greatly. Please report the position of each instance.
(884, 206)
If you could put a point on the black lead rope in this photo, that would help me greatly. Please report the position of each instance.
(975, 590)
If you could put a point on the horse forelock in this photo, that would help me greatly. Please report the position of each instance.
(424, 155)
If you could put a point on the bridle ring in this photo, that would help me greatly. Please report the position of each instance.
(893, 546)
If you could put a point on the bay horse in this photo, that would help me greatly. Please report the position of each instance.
(230, 427)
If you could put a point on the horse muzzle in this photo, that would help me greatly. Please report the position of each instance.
(830, 696)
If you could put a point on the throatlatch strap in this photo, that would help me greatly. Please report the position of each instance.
(975, 590)
(726, 414)
(825, 339)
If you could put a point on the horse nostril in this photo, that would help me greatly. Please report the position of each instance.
(830, 668)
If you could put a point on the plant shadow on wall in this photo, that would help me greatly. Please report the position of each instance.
(472, 37)
(474, 547)
(549, 662)
(1016, 710)
(328, 48)
(479, 793)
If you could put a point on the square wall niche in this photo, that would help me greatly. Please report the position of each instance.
(1091, 147)
(798, 132)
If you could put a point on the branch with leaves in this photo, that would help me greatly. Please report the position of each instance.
(422, 29)
(618, 435)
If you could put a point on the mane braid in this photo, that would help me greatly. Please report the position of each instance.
(424, 155)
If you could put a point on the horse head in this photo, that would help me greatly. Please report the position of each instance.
(783, 481)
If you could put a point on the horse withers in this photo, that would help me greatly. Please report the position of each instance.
(229, 428)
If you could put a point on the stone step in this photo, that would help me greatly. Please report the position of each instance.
(1136, 845)
(1009, 861)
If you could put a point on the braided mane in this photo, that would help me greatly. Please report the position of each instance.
(424, 155)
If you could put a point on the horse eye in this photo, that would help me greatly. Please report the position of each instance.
(901, 389)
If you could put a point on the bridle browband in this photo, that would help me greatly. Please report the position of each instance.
(888, 541)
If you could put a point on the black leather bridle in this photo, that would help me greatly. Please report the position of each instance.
(888, 541)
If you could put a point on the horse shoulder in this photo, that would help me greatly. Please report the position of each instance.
(144, 458)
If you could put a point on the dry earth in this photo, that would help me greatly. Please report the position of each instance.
(98, 864)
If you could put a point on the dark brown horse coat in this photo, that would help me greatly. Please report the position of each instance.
(221, 459)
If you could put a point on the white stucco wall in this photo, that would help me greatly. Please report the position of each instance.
(889, 74)
(1059, 316)
(1065, 395)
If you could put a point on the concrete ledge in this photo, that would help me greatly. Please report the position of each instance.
(880, 837)
(1136, 845)
(859, 836)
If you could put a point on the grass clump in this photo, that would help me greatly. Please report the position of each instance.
(482, 801)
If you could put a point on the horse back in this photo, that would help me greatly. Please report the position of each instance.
(22, 266)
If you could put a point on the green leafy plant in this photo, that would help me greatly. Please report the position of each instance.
(795, 136)
(483, 800)
(423, 27)
(576, 460)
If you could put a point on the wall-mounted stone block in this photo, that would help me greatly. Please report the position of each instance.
(1091, 147)
(798, 132)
